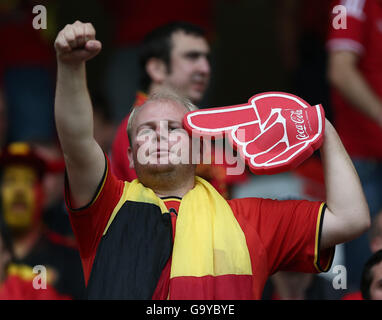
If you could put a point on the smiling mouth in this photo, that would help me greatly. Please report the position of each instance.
(199, 84)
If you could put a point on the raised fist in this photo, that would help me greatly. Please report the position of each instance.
(275, 132)
(76, 43)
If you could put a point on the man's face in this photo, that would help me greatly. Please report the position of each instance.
(376, 284)
(189, 69)
(19, 196)
(159, 141)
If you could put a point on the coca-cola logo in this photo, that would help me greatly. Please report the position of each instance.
(297, 118)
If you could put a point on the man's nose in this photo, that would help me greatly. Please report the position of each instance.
(161, 131)
(204, 65)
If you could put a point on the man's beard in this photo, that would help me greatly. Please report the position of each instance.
(155, 175)
(163, 176)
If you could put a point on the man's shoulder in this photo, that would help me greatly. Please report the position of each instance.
(244, 201)
(245, 207)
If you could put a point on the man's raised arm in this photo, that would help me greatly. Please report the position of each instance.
(347, 214)
(84, 159)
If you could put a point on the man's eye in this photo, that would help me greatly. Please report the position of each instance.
(145, 131)
(193, 55)
(177, 129)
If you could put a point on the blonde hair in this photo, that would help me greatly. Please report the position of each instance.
(169, 95)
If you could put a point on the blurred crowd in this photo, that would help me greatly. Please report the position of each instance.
(299, 51)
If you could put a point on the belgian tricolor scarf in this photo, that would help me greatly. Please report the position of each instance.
(210, 257)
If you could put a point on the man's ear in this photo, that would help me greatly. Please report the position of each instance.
(130, 157)
(156, 69)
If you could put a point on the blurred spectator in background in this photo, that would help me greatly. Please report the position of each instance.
(174, 56)
(55, 216)
(22, 200)
(371, 283)
(26, 73)
(133, 20)
(355, 73)
(285, 285)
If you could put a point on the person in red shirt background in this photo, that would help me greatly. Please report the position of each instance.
(131, 22)
(355, 74)
(175, 55)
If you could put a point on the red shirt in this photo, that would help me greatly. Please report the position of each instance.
(363, 35)
(280, 235)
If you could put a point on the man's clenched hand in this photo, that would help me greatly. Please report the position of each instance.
(76, 44)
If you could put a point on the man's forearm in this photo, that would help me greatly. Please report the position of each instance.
(346, 77)
(356, 90)
(73, 109)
